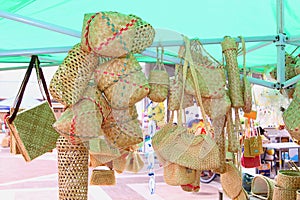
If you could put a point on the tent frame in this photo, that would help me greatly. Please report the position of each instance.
(280, 40)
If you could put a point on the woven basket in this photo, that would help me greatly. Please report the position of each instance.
(296, 94)
(103, 177)
(247, 89)
(82, 121)
(291, 119)
(288, 179)
(215, 108)
(127, 91)
(134, 162)
(229, 49)
(298, 195)
(231, 181)
(72, 76)
(159, 85)
(72, 169)
(176, 175)
(114, 34)
(232, 134)
(119, 164)
(110, 72)
(282, 193)
(262, 187)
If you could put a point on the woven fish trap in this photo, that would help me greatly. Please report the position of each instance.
(291, 119)
(247, 89)
(231, 181)
(288, 179)
(72, 169)
(82, 121)
(103, 177)
(159, 85)
(127, 91)
(215, 108)
(144, 35)
(229, 49)
(124, 134)
(176, 175)
(108, 73)
(72, 76)
(174, 96)
(262, 186)
(280, 193)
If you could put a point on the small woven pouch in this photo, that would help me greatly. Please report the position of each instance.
(103, 176)
(229, 49)
(159, 81)
(194, 186)
(113, 34)
(110, 72)
(72, 76)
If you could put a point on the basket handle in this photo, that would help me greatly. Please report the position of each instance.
(34, 63)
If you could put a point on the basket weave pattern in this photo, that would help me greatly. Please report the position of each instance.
(176, 175)
(72, 170)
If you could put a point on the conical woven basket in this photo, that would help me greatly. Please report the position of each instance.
(72, 76)
(72, 170)
(119, 164)
(110, 72)
(176, 175)
(229, 49)
(127, 91)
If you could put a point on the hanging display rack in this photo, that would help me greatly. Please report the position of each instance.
(280, 40)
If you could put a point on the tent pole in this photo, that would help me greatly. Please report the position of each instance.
(291, 81)
(26, 52)
(41, 24)
(280, 44)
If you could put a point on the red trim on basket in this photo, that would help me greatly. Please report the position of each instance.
(87, 29)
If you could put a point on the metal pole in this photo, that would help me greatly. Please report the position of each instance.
(41, 24)
(24, 52)
(291, 81)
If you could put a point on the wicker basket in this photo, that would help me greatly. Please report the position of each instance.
(72, 170)
(127, 91)
(288, 179)
(110, 72)
(262, 187)
(291, 119)
(159, 85)
(114, 34)
(72, 76)
(134, 162)
(283, 193)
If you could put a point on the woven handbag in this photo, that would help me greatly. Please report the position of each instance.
(291, 119)
(229, 49)
(110, 72)
(159, 81)
(32, 128)
(103, 176)
(194, 186)
(215, 108)
(72, 76)
(113, 34)
(83, 120)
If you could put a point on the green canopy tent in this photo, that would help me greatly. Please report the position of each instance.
(50, 28)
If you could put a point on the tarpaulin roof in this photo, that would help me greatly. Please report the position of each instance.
(50, 28)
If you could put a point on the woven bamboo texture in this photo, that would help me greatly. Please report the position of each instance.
(127, 91)
(194, 186)
(72, 76)
(288, 179)
(114, 34)
(229, 49)
(298, 194)
(291, 119)
(33, 131)
(119, 164)
(232, 134)
(72, 170)
(110, 72)
(159, 85)
(262, 186)
(176, 175)
(82, 121)
(231, 181)
(283, 193)
(103, 177)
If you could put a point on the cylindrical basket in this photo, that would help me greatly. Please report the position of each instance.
(72, 170)
(288, 179)
(283, 193)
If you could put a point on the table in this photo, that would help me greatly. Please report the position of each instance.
(282, 145)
